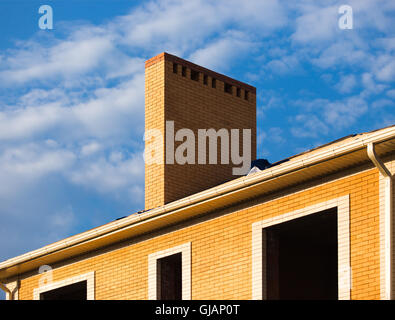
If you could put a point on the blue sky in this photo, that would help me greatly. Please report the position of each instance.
(72, 98)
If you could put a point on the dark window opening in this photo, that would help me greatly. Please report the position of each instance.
(238, 92)
(75, 291)
(194, 75)
(205, 79)
(184, 71)
(302, 258)
(213, 83)
(175, 67)
(228, 88)
(169, 278)
(246, 95)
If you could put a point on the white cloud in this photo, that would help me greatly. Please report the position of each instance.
(346, 83)
(385, 67)
(287, 64)
(309, 126)
(181, 25)
(22, 123)
(388, 43)
(316, 24)
(344, 113)
(373, 15)
(371, 87)
(62, 219)
(90, 148)
(109, 112)
(391, 93)
(219, 55)
(36, 97)
(28, 164)
(111, 175)
(320, 41)
(381, 103)
(67, 58)
(115, 112)
(33, 160)
(320, 117)
(342, 53)
(275, 135)
(261, 137)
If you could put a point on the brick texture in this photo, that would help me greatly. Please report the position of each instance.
(221, 246)
(194, 105)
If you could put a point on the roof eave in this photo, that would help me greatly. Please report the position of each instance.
(295, 171)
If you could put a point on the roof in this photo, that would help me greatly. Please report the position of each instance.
(323, 160)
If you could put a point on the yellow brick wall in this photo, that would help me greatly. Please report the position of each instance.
(192, 105)
(154, 119)
(221, 247)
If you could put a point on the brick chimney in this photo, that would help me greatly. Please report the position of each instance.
(195, 98)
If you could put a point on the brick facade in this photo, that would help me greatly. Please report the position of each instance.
(221, 265)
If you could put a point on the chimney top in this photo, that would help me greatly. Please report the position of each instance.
(193, 66)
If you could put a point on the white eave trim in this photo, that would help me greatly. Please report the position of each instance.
(300, 162)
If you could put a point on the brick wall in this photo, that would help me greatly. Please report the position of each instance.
(172, 94)
(154, 119)
(221, 245)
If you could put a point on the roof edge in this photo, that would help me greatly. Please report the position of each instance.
(232, 186)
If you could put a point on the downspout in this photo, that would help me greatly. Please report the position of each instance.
(7, 291)
(388, 218)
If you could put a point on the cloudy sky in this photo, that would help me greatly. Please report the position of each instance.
(72, 98)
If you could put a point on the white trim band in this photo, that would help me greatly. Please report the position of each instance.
(88, 277)
(343, 235)
(185, 250)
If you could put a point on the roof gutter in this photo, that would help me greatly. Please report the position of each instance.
(213, 193)
(388, 217)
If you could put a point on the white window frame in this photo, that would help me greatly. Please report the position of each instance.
(343, 245)
(88, 277)
(185, 250)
